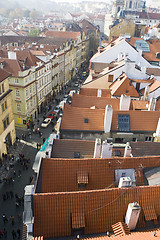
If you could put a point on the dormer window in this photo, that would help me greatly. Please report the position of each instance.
(86, 120)
(82, 179)
(76, 154)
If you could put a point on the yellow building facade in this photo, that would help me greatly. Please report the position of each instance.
(7, 125)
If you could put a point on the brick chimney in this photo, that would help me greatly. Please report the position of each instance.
(152, 104)
(97, 148)
(127, 150)
(108, 118)
(124, 103)
(106, 149)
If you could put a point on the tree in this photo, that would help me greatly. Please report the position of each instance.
(34, 32)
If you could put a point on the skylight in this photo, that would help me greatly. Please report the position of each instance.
(123, 123)
(143, 45)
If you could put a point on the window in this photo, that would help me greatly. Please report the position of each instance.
(16, 80)
(117, 153)
(148, 139)
(123, 174)
(26, 92)
(4, 106)
(6, 122)
(123, 123)
(134, 139)
(76, 154)
(2, 87)
(86, 120)
(27, 105)
(18, 107)
(17, 93)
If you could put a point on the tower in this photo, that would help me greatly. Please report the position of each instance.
(117, 6)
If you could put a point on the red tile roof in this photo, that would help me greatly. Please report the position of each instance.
(141, 121)
(139, 105)
(154, 45)
(123, 86)
(74, 119)
(101, 208)
(147, 235)
(62, 34)
(145, 148)
(93, 92)
(65, 148)
(84, 101)
(3, 75)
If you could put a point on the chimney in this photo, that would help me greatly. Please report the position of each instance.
(119, 56)
(127, 150)
(124, 103)
(132, 215)
(99, 93)
(12, 55)
(143, 69)
(158, 129)
(106, 149)
(97, 148)
(146, 93)
(152, 104)
(108, 118)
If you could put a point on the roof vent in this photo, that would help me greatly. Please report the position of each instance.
(86, 120)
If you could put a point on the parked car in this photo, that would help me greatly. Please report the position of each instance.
(71, 93)
(46, 122)
(76, 84)
(52, 115)
(57, 109)
(65, 97)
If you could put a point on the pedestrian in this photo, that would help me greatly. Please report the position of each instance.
(24, 135)
(5, 233)
(19, 233)
(37, 121)
(4, 197)
(19, 217)
(11, 194)
(12, 219)
(41, 134)
(29, 134)
(19, 173)
(4, 218)
(14, 235)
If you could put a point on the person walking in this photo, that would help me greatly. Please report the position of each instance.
(12, 219)
(4, 218)
(1, 234)
(18, 233)
(5, 233)
(14, 235)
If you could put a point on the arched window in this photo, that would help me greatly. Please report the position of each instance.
(118, 9)
(130, 4)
